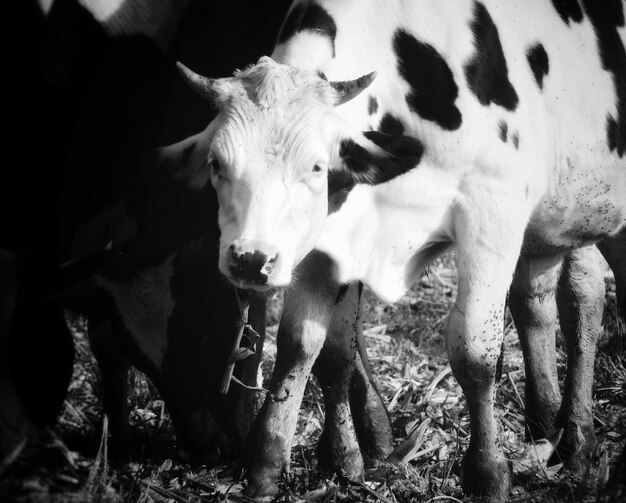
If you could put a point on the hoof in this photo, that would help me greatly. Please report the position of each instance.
(486, 476)
(266, 458)
(541, 417)
(576, 449)
(262, 486)
(336, 458)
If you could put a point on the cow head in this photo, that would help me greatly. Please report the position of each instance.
(277, 151)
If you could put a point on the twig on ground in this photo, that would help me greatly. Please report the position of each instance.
(407, 449)
(376, 494)
(443, 497)
(520, 402)
(13, 455)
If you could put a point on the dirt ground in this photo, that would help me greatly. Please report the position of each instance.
(405, 346)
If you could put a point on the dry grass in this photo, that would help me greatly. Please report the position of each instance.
(405, 345)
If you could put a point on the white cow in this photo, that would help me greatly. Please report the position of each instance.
(497, 127)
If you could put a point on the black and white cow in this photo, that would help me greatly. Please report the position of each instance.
(496, 127)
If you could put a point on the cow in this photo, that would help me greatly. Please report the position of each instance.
(97, 90)
(376, 137)
(176, 321)
(127, 237)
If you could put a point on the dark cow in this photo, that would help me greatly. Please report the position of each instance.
(143, 242)
(195, 284)
(501, 133)
(96, 91)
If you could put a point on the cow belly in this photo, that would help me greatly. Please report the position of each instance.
(145, 306)
(584, 204)
(577, 214)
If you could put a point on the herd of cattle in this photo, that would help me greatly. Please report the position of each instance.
(374, 138)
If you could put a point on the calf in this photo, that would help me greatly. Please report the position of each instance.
(95, 91)
(176, 321)
(495, 127)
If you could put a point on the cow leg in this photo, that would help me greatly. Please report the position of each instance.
(487, 254)
(113, 367)
(352, 402)
(532, 301)
(581, 302)
(614, 252)
(306, 317)
(338, 448)
(370, 416)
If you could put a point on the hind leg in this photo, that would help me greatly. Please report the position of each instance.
(532, 301)
(614, 252)
(113, 366)
(371, 419)
(580, 302)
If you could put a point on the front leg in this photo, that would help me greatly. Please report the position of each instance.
(338, 448)
(301, 335)
(488, 248)
(114, 366)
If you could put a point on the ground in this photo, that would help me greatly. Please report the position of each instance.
(405, 346)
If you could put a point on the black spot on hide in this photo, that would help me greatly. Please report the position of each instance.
(539, 63)
(433, 89)
(607, 16)
(391, 125)
(568, 9)
(373, 166)
(399, 154)
(372, 105)
(516, 141)
(503, 129)
(343, 289)
(487, 73)
(309, 17)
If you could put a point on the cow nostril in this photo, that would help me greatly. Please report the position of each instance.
(234, 253)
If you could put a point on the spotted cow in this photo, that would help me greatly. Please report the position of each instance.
(494, 127)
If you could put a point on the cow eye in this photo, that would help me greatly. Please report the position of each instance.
(216, 168)
(317, 168)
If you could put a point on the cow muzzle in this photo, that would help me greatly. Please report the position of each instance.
(251, 263)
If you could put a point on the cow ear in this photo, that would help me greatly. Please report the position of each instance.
(373, 158)
(184, 162)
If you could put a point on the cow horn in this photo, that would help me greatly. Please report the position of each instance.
(348, 89)
(201, 85)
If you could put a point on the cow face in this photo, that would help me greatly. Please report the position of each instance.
(276, 144)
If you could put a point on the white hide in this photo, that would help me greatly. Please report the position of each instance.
(384, 234)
